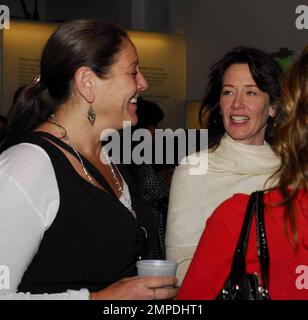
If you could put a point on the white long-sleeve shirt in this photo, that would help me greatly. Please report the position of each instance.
(29, 201)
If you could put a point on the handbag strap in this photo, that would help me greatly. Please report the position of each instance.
(255, 204)
(261, 240)
(239, 265)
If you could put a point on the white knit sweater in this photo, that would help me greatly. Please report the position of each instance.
(232, 168)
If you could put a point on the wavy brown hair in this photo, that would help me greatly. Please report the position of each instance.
(266, 73)
(291, 142)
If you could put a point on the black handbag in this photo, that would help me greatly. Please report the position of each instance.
(240, 285)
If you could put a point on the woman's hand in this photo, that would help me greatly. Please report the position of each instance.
(138, 288)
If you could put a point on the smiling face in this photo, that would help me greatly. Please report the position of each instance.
(116, 97)
(244, 107)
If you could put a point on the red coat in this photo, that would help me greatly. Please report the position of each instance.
(212, 261)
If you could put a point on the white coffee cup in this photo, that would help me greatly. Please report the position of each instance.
(151, 268)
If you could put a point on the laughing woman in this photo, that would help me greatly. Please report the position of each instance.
(71, 225)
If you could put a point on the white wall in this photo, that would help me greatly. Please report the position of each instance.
(117, 11)
(16, 9)
(216, 26)
(212, 26)
(150, 15)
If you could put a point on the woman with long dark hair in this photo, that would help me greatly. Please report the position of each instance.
(285, 214)
(240, 108)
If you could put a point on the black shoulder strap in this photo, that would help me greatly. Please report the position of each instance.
(55, 140)
(261, 240)
(239, 264)
(255, 205)
(89, 166)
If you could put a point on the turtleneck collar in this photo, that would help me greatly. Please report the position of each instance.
(239, 158)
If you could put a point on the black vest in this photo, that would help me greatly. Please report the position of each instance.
(94, 240)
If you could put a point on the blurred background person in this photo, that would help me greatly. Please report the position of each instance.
(148, 176)
(3, 121)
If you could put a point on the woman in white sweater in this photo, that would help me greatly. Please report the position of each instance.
(240, 107)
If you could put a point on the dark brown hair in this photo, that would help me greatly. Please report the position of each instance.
(265, 72)
(87, 42)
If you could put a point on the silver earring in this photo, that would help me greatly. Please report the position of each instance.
(91, 115)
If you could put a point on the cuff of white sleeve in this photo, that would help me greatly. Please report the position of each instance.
(82, 294)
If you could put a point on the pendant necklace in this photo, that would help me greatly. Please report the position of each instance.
(124, 199)
(66, 139)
